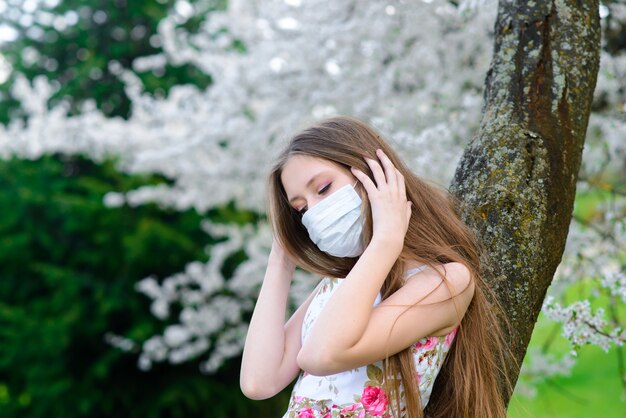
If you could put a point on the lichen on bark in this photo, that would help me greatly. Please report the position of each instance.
(517, 178)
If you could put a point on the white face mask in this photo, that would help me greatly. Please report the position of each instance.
(335, 225)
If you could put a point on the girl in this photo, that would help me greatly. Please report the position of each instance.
(400, 325)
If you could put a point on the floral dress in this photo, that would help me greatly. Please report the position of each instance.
(358, 392)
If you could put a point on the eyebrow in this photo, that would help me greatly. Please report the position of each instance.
(308, 184)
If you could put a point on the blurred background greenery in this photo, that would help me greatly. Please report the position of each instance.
(69, 264)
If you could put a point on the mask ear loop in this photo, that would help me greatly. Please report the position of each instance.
(356, 190)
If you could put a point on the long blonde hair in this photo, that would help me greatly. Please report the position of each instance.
(469, 382)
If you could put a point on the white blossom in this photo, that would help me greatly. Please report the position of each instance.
(176, 335)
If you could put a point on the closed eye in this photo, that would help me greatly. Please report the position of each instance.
(321, 191)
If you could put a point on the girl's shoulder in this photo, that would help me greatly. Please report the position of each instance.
(455, 273)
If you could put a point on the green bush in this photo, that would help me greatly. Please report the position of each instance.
(69, 266)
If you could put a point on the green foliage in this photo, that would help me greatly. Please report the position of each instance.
(77, 56)
(578, 395)
(69, 266)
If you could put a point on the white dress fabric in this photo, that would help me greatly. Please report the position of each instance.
(358, 392)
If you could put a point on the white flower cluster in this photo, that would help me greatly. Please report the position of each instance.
(581, 326)
(616, 283)
(122, 343)
(595, 258)
(420, 84)
(212, 307)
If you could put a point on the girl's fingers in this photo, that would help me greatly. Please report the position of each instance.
(378, 173)
(401, 184)
(390, 170)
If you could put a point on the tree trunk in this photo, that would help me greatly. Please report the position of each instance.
(517, 178)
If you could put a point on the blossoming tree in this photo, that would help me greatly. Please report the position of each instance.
(420, 84)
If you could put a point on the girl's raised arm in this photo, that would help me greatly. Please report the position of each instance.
(271, 347)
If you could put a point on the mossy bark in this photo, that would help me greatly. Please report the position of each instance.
(517, 178)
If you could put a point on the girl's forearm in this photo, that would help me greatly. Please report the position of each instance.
(344, 318)
(265, 341)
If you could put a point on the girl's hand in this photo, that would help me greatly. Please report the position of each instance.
(279, 255)
(390, 209)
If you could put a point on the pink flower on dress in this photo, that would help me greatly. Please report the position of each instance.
(427, 345)
(374, 400)
(450, 337)
(351, 408)
(306, 413)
